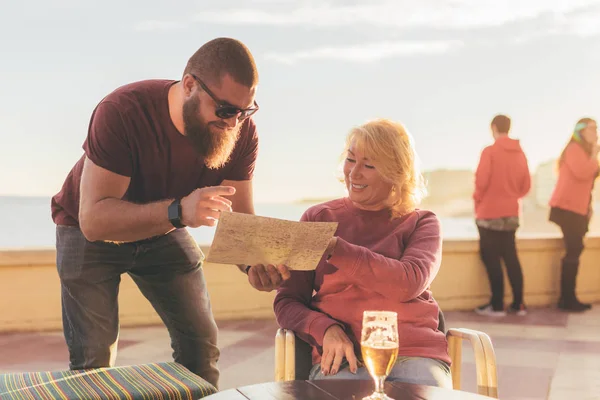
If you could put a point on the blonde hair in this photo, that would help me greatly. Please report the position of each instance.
(389, 147)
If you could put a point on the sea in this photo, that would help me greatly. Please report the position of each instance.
(26, 222)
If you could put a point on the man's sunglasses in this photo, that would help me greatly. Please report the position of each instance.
(225, 110)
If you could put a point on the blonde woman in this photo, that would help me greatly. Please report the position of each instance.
(384, 256)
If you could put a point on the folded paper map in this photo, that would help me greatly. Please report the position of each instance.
(250, 239)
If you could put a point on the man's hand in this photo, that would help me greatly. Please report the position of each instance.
(267, 278)
(202, 206)
(336, 346)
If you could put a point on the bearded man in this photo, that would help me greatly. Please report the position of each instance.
(159, 155)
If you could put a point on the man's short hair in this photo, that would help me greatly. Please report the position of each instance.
(223, 56)
(502, 123)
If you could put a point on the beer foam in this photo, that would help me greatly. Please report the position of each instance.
(380, 345)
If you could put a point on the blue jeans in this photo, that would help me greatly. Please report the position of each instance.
(168, 272)
(418, 370)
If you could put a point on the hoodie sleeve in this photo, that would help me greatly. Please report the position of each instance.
(482, 175)
(399, 280)
(526, 181)
(579, 163)
(292, 310)
(292, 306)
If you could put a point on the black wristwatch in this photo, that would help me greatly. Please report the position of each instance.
(174, 212)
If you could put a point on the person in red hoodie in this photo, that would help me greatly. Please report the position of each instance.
(384, 256)
(501, 180)
(571, 204)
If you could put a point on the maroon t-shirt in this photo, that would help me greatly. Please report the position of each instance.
(131, 134)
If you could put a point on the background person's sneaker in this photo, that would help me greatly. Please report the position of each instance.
(519, 310)
(488, 310)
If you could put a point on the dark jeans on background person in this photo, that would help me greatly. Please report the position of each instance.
(168, 272)
(495, 246)
(574, 228)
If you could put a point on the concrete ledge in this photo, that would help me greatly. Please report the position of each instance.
(462, 283)
(30, 288)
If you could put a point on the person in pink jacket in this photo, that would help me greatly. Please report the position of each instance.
(384, 256)
(571, 204)
(501, 180)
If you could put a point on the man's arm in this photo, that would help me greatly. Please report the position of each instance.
(103, 215)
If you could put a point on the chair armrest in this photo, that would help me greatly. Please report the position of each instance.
(490, 361)
(293, 357)
(290, 355)
(285, 355)
(485, 360)
(280, 355)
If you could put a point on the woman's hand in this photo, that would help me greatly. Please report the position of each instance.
(336, 346)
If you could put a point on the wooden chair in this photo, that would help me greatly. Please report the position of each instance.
(293, 359)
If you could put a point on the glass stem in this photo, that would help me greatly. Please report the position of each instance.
(379, 381)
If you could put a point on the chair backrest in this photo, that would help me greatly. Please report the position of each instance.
(441, 322)
(303, 351)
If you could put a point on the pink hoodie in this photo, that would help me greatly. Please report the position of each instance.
(501, 180)
(576, 177)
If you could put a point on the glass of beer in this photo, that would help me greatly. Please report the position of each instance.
(379, 347)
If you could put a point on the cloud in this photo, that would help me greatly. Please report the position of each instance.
(367, 52)
(528, 19)
(582, 23)
(157, 25)
(443, 14)
(573, 17)
(585, 25)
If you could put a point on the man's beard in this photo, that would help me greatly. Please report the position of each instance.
(214, 147)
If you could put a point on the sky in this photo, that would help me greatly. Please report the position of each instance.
(443, 68)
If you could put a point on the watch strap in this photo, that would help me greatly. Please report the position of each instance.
(174, 212)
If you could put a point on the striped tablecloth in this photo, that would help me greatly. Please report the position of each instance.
(148, 382)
